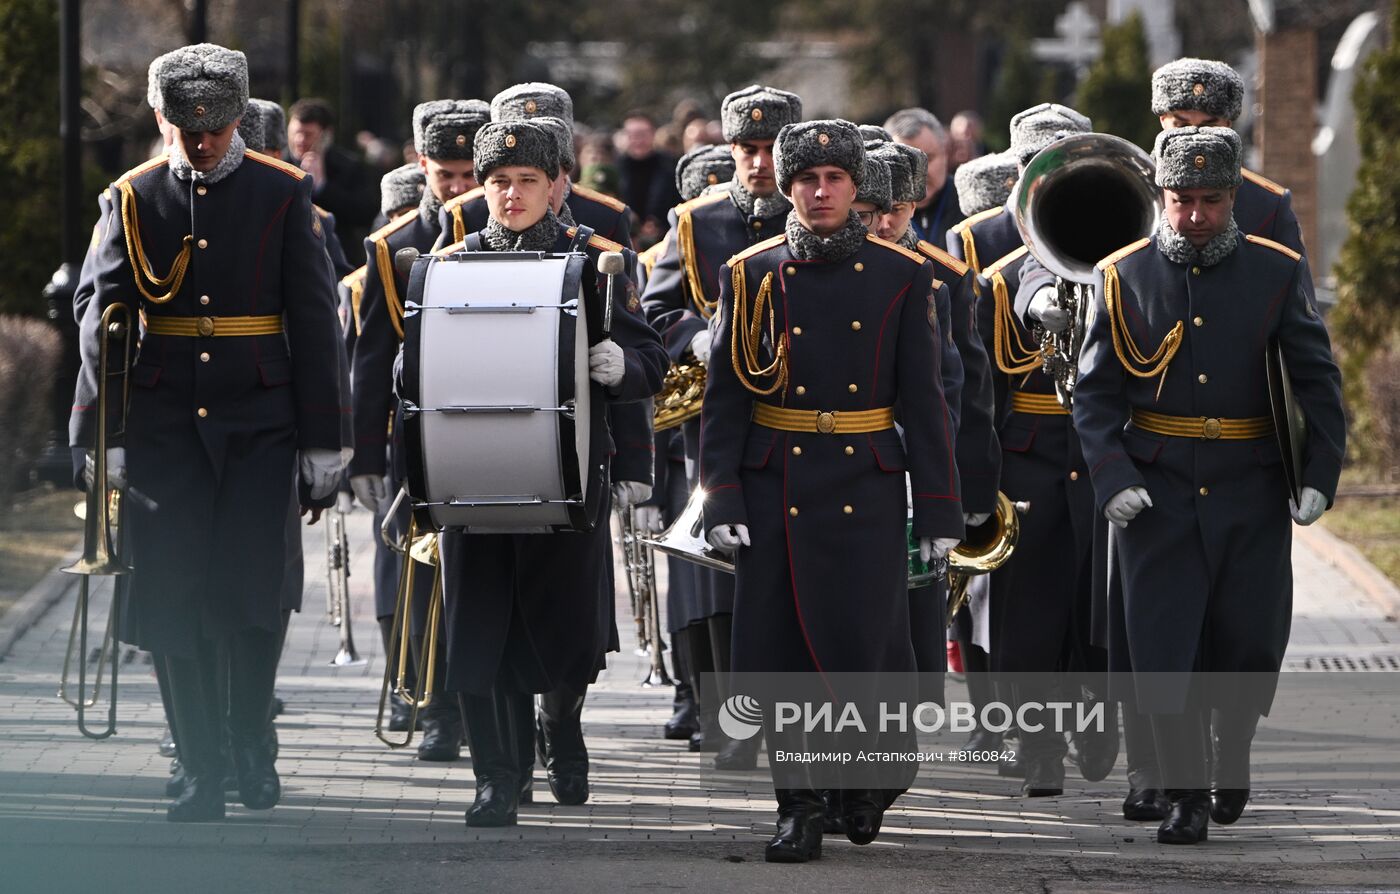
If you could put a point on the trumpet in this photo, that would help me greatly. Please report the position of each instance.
(986, 548)
(338, 590)
(416, 549)
(102, 512)
(640, 565)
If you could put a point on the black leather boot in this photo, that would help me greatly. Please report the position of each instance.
(833, 822)
(259, 787)
(1045, 776)
(1096, 752)
(1189, 819)
(1146, 799)
(1232, 733)
(565, 754)
(520, 708)
(799, 836)
(700, 669)
(176, 783)
(492, 743)
(739, 754)
(195, 711)
(685, 719)
(1181, 753)
(442, 730)
(400, 711)
(862, 812)
(252, 670)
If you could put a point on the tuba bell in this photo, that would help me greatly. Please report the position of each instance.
(1078, 201)
(986, 548)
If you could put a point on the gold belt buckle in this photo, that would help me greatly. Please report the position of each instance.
(205, 326)
(1211, 429)
(826, 423)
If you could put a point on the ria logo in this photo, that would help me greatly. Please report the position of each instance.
(740, 717)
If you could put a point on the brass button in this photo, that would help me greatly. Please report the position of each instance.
(203, 243)
(848, 509)
(852, 388)
(801, 389)
(758, 225)
(855, 325)
(711, 179)
(202, 190)
(859, 266)
(202, 412)
(204, 357)
(1203, 378)
(1195, 271)
(793, 511)
(1205, 491)
(1198, 321)
(850, 451)
(797, 451)
(204, 326)
(1073, 476)
(796, 330)
(203, 299)
(790, 270)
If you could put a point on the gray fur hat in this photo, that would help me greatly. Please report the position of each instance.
(833, 141)
(870, 132)
(985, 182)
(152, 86)
(530, 100)
(445, 129)
(908, 169)
(1200, 84)
(1198, 158)
(202, 87)
(758, 113)
(875, 185)
(502, 143)
(250, 128)
(401, 187)
(274, 124)
(563, 135)
(1039, 126)
(701, 167)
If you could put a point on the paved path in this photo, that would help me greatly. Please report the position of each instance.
(356, 816)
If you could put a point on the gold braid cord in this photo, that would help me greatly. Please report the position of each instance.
(685, 243)
(459, 225)
(391, 291)
(1012, 359)
(136, 253)
(1134, 361)
(746, 335)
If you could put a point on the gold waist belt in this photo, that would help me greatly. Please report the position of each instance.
(214, 327)
(854, 422)
(1205, 428)
(1038, 404)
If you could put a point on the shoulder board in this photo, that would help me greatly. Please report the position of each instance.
(1003, 262)
(937, 284)
(978, 218)
(355, 279)
(290, 170)
(393, 226)
(1261, 180)
(450, 249)
(323, 213)
(464, 198)
(158, 161)
(652, 254)
(1123, 252)
(596, 241)
(942, 257)
(757, 247)
(700, 202)
(899, 249)
(1276, 246)
(601, 198)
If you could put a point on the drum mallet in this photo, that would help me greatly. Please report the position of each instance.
(610, 264)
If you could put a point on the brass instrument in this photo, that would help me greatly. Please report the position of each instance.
(416, 549)
(986, 548)
(1078, 201)
(681, 395)
(640, 567)
(102, 513)
(338, 589)
(685, 538)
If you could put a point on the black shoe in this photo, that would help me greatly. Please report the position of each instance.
(832, 823)
(527, 788)
(400, 713)
(798, 840)
(1143, 804)
(563, 752)
(984, 740)
(1012, 767)
(1226, 804)
(1095, 753)
(442, 736)
(861, 814)
(708, 737)
(176, 783)
(278, 706)
(1188, 822)
(684, 723)
(258, 785)
(167, 744)
(1045, 776)
(738, 754)
(495, 805)
(200, 801)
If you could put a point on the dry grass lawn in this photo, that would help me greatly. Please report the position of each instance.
(37, 531)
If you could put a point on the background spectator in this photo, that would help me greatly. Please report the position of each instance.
(647, 177)
(341, 184)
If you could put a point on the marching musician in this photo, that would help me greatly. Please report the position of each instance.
(1173, 408)
(681, 297)
(532, 613)
(225, 405)
(800, 458)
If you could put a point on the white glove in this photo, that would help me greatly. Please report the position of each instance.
(700, 345)
(727, 538)
(344, 502)
(1314, 504)
(1043, 310)
(649, 519)
(606, 365)
(370, 490)
(629, 493)
(973, 519)
(320, 468)
(116, 468)
(936, 549)
(1125, 505)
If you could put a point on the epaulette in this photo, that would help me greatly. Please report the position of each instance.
(450, 249)
(978, 218)
(598, 242)
(1261, 180)
(942, 257)
(355, 278)
(393, 226)
(158, 161)
(1123, 252)
(601, 198)
(911, 255)
(290, 170)
(1005, 261)
(700, 202)
(772, 242)
(464, 198)
(320, 211)
(1276, 246)
(653, 254)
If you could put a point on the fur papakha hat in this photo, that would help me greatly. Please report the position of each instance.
(445, 129)
(985, 182)
(531, 100)
(1200, 84)
(525, 143)
(701, 167)
(758, 113)
(401, 188)
(1198, 158)
(832, 141)
(202, 87)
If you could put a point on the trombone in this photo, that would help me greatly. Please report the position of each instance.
(415, 550)
(338, 590)
(640, 565)
(102, 511)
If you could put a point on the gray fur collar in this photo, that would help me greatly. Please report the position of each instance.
(909, 240)
(428, 208)
(1178, 248)
(808, 246)
(540, 237)
(180, 166)
(566, 214)
(752, 206)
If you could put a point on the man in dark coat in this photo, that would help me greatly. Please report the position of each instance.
(235, 385)
(937, 209)
(341, 182)
(800, 458)
(1173, 408)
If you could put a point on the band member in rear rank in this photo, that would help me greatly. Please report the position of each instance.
(1173, 406)
(801, 460)
(443, 131)
(531, 613)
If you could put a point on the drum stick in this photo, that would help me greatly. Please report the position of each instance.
(610, 264)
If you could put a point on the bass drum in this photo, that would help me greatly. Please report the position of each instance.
(499, 413)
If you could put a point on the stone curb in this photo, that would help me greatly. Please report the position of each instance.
(32, 606)
(1348, 559)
